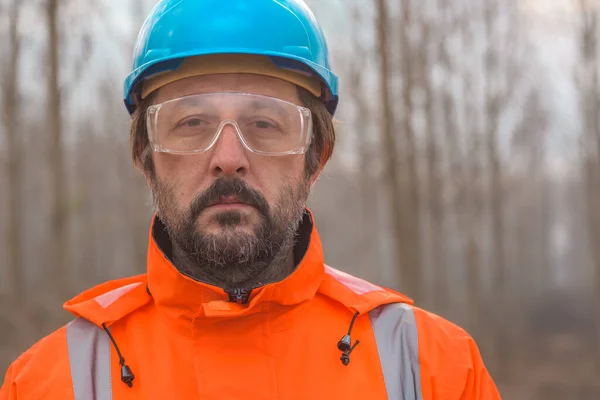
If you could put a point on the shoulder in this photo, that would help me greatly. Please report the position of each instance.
(449, 360)
(44, 368)
(437, 339)
(50, 345)
(387, 306)
(433, 327)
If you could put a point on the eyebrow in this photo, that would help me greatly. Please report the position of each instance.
(183, 103)
(192, 101)
(259, 105)
(253, 105)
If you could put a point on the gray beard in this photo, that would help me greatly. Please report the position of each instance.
(235, 260)
(245, 272)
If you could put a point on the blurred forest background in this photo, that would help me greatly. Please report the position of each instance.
(467, 171)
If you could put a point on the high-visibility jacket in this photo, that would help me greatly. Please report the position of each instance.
(163, 335)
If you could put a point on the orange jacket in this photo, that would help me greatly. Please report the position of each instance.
(182, 339)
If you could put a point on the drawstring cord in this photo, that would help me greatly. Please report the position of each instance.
(126, 375)
(345, 344)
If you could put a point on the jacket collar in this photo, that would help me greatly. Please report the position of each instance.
(185, 298)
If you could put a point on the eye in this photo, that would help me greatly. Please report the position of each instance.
(192, 122)
(263, 124)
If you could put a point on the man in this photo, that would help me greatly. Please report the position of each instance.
(232, 105)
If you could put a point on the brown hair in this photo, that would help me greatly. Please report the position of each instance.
(319, 152)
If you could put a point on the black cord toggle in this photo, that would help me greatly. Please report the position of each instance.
(127, 376)
(345, 344)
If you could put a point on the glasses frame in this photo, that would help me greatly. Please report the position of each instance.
(302, 147)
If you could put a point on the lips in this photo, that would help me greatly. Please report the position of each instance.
(227, 200)
(229, 193)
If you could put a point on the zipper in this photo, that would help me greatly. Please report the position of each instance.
(240, 296)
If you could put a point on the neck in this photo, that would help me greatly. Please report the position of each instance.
(240, 276)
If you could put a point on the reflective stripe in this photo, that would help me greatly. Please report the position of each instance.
(106, 299)
(89, 358)
(397, 340)
(357, 285)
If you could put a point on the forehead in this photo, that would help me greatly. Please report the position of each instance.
(245, 83)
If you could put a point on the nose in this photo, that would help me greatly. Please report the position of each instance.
(229, 155)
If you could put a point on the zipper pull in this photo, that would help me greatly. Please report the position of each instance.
(240, 296)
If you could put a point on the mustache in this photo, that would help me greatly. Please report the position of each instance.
(224, 187)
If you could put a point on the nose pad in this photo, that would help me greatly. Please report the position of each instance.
(228, 155)
(236, 131)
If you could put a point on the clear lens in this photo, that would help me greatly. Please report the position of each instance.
(264, 125)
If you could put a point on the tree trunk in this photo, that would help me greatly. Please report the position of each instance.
(58, 236)
(492, 120)
(408, 280)
(139, 11)
(435, 185)
(472, 207)
(11, 117)
(361, 122)
(589, 87)
(411, 238)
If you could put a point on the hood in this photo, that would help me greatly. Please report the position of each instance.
(184, 298)
(110, 301)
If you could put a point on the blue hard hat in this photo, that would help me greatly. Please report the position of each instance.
(284, 30)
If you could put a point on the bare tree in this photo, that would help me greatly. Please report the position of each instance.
(410, 252)
(457, 161)
(589, 89)
(472, 196)
(58, 237)
(409, 280)
(10, 116)
(502, 69)
(434, 182)
(355, 71)
(493, 109)
(589, 85)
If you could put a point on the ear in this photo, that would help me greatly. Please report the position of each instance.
(314, 177)
(148, 180)
(145, 169)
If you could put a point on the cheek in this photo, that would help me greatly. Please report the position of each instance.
(183, 173)
(273, 173)
(280, 177)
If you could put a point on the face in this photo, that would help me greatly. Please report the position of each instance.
(229, 207)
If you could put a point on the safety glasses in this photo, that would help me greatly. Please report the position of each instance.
(264, 125)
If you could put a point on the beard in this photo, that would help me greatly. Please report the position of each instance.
(232, 257)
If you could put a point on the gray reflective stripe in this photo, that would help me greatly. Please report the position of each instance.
(89, 358)
(397, 340)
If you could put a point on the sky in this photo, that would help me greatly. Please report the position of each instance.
(550, 23)
(552, 26)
